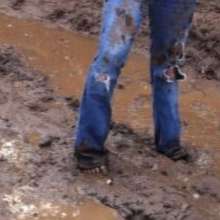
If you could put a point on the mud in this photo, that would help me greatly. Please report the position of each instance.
(65, 63)
(85, 16)
(37, 170)
(40, 87)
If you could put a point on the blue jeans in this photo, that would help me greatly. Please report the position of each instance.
(170, 21)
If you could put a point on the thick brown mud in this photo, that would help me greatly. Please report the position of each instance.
(42, 70)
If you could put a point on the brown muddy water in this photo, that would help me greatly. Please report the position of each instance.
(89, 210)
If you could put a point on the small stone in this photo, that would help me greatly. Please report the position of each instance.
(46, 141)
(66, 58)
(109, 182)
(196, 196)
(155, 167)
(185, 179)
(63, 214)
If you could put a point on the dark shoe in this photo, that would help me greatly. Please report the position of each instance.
(92, 161)
(177, 154)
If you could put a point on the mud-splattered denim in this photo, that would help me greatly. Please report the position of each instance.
(170, 21)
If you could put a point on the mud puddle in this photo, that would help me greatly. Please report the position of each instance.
(89, 210)
(24, 207)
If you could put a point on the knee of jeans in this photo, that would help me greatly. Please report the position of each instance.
(168, 53)
(166, 62)
(101, 85)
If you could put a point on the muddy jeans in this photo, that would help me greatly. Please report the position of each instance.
(170, 21)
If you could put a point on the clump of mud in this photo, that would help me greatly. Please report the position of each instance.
(205, 40)
(9, 62)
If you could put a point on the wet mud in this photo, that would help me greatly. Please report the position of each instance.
(85, 16)
(42, 70)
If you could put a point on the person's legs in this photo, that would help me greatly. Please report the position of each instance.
(121, 21)
(170, 21)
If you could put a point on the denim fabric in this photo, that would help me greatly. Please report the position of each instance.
(170, 21)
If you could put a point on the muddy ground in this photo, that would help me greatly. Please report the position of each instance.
(36, 125)
(37, 166)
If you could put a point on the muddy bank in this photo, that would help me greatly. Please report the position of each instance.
(37, 169)
(85, 16)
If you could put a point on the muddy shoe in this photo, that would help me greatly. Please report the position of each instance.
(92, 161)
(177, 154)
